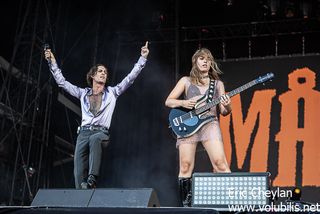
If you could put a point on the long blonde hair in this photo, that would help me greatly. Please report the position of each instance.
(195, 73)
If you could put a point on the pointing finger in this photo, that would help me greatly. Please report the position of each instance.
(146, 45)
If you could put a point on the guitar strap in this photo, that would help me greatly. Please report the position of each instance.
(211, 91)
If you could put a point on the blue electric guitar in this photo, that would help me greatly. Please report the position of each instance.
(185, 123)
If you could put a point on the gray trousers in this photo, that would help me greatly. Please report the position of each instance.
(88, 154)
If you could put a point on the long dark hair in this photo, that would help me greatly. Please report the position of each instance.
(93, 70)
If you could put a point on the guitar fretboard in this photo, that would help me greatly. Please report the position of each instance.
(230, 94)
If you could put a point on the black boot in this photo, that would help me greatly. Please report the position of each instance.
(185, 191)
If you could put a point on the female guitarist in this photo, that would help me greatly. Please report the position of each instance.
(204, 72)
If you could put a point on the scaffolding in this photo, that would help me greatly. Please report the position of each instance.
(222, 34)
(25, 108)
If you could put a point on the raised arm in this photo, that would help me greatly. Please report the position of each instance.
(129, 79)
(172, 100)
(59, 78)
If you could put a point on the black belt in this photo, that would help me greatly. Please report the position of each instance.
(92, 128)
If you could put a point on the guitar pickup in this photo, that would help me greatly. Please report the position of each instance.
(175, 121)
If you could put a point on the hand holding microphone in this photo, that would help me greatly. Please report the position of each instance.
(48, 55)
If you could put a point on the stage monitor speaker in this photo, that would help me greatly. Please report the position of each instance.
(62, 198)
(223, 190)
(124, 198)
(143, 197)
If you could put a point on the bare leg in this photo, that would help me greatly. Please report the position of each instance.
(217, 156)
(187, 153)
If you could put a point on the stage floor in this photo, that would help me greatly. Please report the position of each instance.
(119, 210)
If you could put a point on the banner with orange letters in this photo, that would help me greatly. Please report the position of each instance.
(275, 127)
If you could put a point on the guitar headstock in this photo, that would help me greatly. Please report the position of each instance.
(264, 78)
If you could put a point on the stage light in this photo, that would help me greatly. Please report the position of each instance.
(221, 190)
(290, 11)
(229, 2)
(274, 5)
(306, 9)
(296, 194)
(31, 171)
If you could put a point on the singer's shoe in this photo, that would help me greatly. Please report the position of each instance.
(84, 185)
(92, 182)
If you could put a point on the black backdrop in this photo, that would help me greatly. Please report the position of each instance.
(142, 152)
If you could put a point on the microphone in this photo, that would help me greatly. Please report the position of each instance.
(46, 47)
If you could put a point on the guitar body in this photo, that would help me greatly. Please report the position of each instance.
(187, 127)
(185, 123)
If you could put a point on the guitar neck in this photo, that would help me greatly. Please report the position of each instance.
(230, 94)
(242, 88)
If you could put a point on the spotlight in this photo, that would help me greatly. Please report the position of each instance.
(306, 8)
(31, 171)
(290, 9)
(274, 5)
(296, 194)
(295, 200)
(204, 30)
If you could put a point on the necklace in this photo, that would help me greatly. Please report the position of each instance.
(204, 77)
